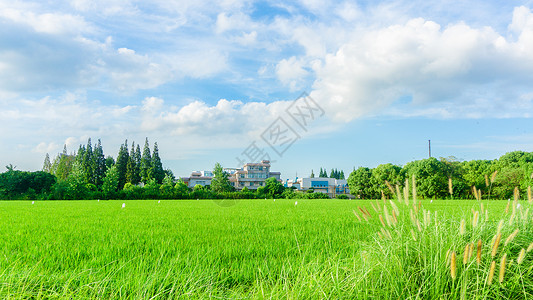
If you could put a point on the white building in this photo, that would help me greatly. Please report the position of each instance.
(330, 186)
(251, 176)
(202, 178)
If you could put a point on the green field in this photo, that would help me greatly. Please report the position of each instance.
(256, 249)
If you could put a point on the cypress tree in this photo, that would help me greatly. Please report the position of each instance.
(157, 167)
(99, 165)
(88, 163)
(132, 173)
(146, 163)
(137, 156)
(122, 164)
(47, 165)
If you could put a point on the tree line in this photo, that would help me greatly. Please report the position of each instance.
(89, 174)
(333, 174)
(86, 174)
(448, 177)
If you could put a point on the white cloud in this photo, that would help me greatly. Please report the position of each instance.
(444, 70)
(44, 147)
(291, 72)
(349, 11)
(50, 23)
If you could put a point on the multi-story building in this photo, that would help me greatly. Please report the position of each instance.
(251, 175)
(330, 186)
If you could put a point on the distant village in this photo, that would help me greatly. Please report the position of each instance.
(253, 175)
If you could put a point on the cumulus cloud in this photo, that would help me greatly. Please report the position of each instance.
(291, 72)
(227, 118)
(456, 67)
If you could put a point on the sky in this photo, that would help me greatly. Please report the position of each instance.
(306, 84)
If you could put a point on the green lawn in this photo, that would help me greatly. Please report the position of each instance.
(255, 249)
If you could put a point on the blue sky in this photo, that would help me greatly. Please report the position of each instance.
(206, 79)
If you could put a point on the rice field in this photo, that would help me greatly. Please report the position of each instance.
(265, 249)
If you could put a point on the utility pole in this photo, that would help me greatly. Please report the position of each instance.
(429, 145)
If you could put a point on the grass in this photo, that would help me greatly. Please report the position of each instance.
(255, 249)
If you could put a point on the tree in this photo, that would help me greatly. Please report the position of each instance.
(16, 184)
(133, 175)
(99, 165)
(111, 182)
(181, 189)
(146, 163)
(312, 174)
(47, 165)
(168, 172)
(220, 182)
(387, 172)
(109, 162)
(274, 187)
(157, 167)
(361, 184)
(122, 164)
(88, 163)
(62, 165)
(137, 158)
(167, 188)
(431, 177)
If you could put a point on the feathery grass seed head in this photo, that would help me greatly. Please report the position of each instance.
(478, 253)
(521, 256)
(496, 244)
(502, 267)
(453, 266)
(491, 272)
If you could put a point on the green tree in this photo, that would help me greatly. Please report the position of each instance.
(181, 188)
(99, 165)
(474, 173)
(387, 172)
(361, 183)
(109, 162)
(111, 182)
(47, 165)
(88, 163)
(137, 158)
(146, 163)
(122, 164)
(220, 182)
(151, 189)
(274, 188)
(16, 184)
(431, 177)
(62, 165)
(312, 174)
(157, 167)
(133, 175)
(166, 189)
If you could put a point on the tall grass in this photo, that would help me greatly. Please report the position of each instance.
(428, 255)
